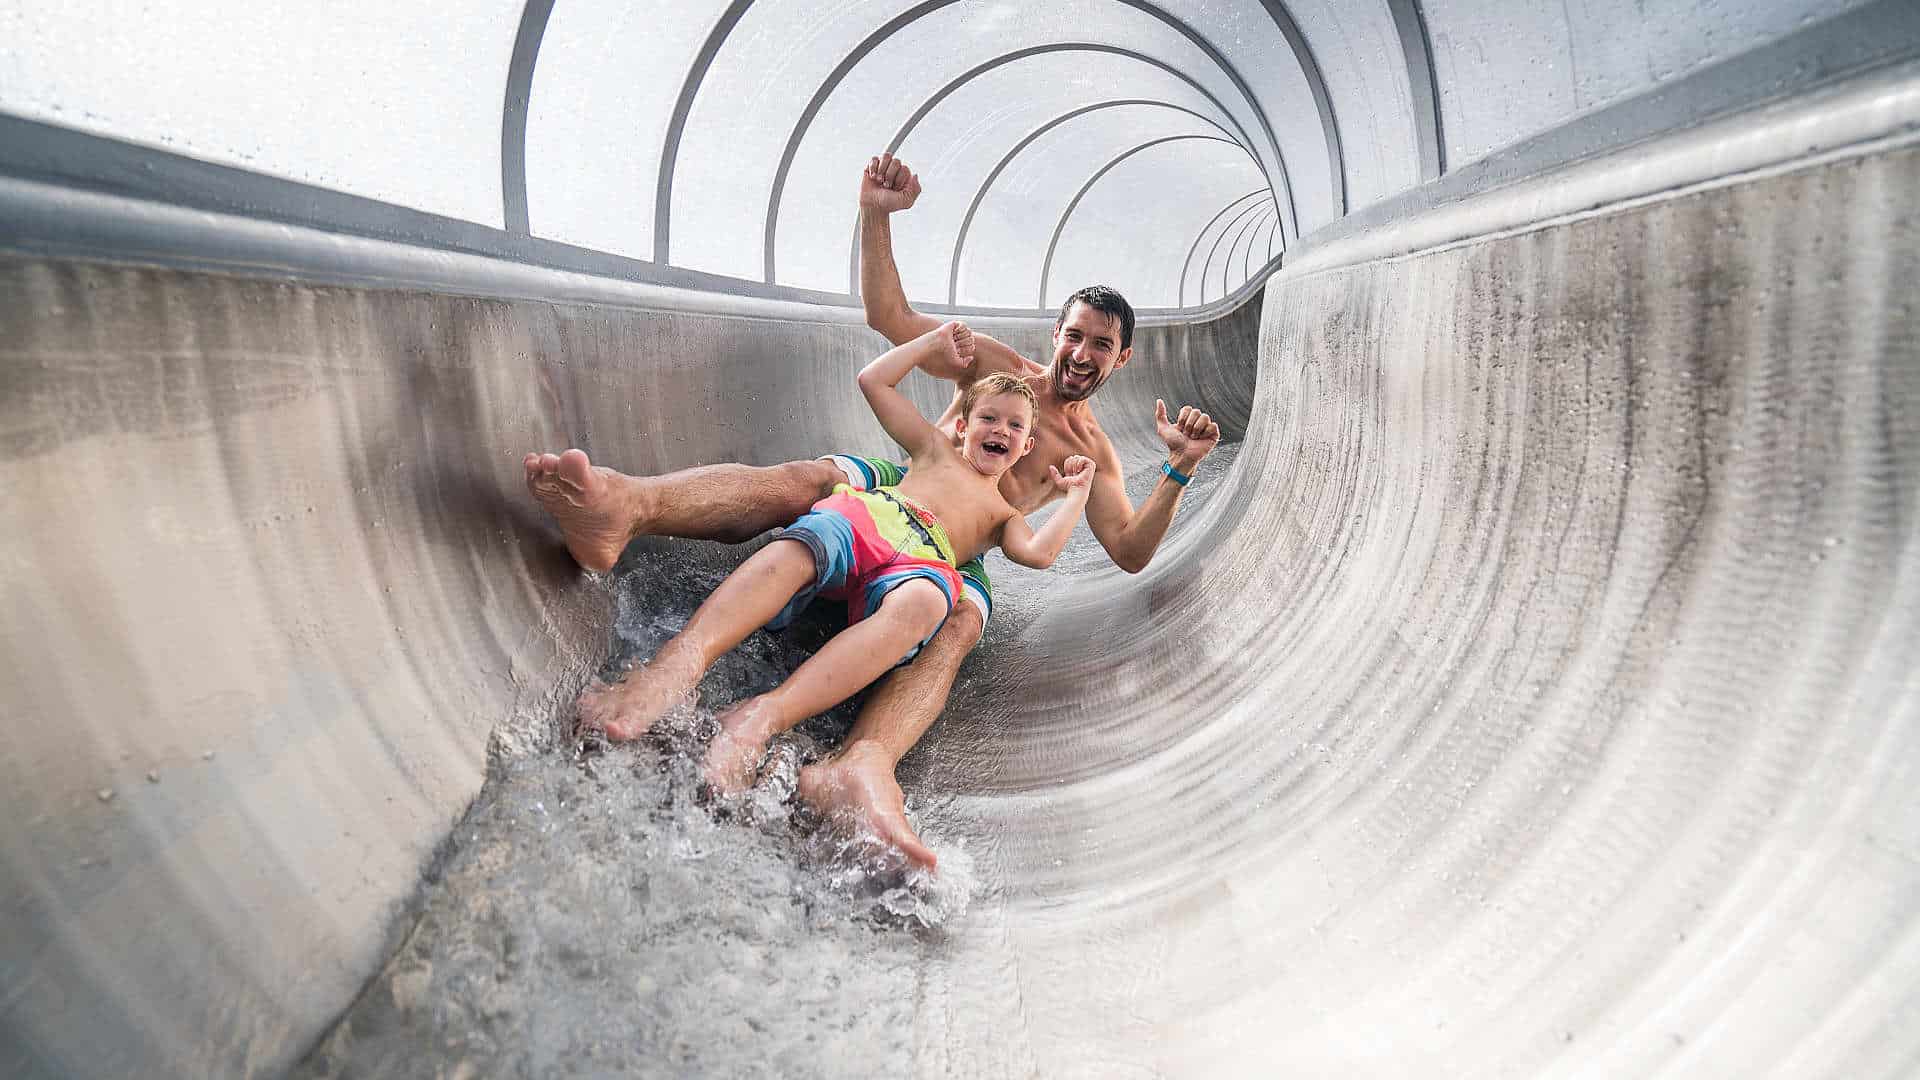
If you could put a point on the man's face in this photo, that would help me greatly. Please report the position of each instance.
(997, 433)
(1086, 349)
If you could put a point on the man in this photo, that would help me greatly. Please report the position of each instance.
(599, 510)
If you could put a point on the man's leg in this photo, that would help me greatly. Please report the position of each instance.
(599, 510)
(858, 782)
(844, 665)
(749, 597)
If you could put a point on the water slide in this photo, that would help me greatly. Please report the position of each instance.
(1525, 689)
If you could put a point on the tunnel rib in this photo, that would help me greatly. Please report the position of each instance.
(1240, 220)
(906, 129)
(1200, 279)
(913, 14)
(1194, 248)
(966, 223)
(677, 126)
(1423, 81)
(1046, 267)
(1232, 73)
(1246, 264)
(1322, 101)
(1251, 230)
(513, 115)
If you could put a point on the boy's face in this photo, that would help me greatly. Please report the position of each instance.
(997, 433)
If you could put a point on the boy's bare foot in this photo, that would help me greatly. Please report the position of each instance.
(626, 709)
(603, 707)
(735, 754)
(857, 786)
(589, 502)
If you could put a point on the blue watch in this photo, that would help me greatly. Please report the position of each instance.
(1174, 474)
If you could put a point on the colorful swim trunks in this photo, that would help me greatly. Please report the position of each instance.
(866, 544)
(868, 474)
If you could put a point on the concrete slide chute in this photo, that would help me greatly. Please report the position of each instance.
(1528, 690)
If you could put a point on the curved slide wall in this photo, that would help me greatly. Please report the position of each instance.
(276, 591)
(1540, 697)
(1541, 701)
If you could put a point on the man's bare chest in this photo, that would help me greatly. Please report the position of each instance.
(1029, 484)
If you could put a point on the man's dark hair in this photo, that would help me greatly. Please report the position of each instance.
(1107, 302)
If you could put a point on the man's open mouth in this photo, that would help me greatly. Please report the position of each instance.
(1081, 374)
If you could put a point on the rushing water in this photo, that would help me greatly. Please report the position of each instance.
(593, 914)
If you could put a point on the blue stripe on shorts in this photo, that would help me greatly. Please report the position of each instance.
(830, 537)
(882, 584)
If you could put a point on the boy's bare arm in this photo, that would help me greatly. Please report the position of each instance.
(1028, 547)
(880, 384)
(887, 186)
(1130, 535)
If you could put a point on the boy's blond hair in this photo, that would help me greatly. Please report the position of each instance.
(1000, 382)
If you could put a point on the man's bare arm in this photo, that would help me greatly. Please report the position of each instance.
(888, 186)
(1130, 535)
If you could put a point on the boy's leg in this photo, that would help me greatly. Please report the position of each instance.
(747, 600)
(853, 658)
(599, 510)
(858, 782)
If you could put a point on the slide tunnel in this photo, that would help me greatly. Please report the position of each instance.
(1526, 687)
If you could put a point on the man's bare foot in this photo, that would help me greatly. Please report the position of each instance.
(734, 757)
(857, 787)
(591, 504)
(626, 710)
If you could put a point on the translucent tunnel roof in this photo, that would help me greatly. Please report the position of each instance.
(1170, 148)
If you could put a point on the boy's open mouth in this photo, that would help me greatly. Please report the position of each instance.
(993, 446)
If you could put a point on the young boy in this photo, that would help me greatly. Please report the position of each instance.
(890, 552)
